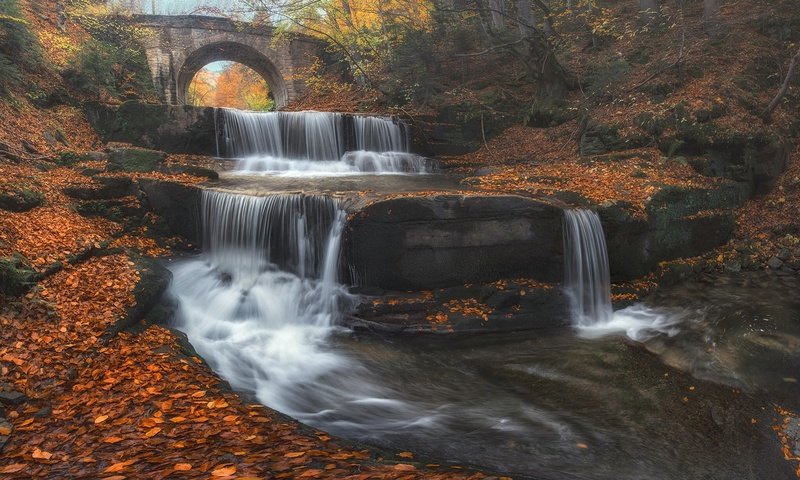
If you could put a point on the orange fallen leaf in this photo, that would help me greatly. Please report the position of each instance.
(408, 455)
(117, 467)
(183, 467)
(152, 432)
(13, 468)
(41, 454)
(100, 419)
(294, 454)
(404, 467)
(177, 419)
(224, 471)
(112, 439)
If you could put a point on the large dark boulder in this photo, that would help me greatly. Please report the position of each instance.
(20, 199)
(173, 129)
(177, 204)
(102, 188)
(140, 160)
(418, 243)
(680, 222)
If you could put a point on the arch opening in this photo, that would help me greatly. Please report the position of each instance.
(239, 54)
(230, 84)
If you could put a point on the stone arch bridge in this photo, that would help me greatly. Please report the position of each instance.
(178, 47)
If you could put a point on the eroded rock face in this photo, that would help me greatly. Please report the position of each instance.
(173, 129)
(178, 205)
(680, 223)
(418, 243)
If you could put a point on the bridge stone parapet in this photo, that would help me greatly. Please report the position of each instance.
(178, 47)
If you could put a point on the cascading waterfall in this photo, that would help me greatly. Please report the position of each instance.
(317, 143)
(587, 282)
(378, 134)
(261, 304)
(586, 273)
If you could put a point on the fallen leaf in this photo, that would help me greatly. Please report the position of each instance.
(112, 439)
(41, 454)
(408, 455)
(183, 467)
(294, 454)
(13, 468)
(152, 432)
(224, 471)
(404, 467)
(100, 419)
(118, 466)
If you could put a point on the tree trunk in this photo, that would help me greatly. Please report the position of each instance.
(710, 16)
(649, 11)
(525, 18)
(498, 19)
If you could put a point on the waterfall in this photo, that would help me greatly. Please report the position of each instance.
(317, 142)
(380, 134)
(586, 273)
(261, 301)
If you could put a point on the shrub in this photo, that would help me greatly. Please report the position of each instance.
(19, 49)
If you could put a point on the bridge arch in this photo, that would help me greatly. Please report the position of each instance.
(233, 52)
(179, 46)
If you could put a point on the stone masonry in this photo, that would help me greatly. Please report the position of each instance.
(178, 47)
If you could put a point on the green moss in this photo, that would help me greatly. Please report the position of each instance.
(20, 200)
(135, 160)
(15, 274)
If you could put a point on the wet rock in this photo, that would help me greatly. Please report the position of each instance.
(104, 188)
(680, 223)
(173, 129)
(192, 170)
(154, 279)
(20, 200)
(12, 398)
(43, 412)
(775, 263)
(793, 432)
(178, 205)
(134, 159)
(503, 299)
(425, 242)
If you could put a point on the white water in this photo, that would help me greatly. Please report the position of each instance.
(262, 303)
(586, 273)
(317, 143)
(587, 282)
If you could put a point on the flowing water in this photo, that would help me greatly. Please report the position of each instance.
(586, 274)
(261, 305)
(678, 387)
(317, 143)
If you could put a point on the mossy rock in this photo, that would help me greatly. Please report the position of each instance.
(103, 188)
(16, 275)
(135, 160)
(20, 200)
(602, 138)
(672, 202)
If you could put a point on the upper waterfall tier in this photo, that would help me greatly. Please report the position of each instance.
(316, 136)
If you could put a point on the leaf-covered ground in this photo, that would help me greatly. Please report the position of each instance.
(137, 405)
